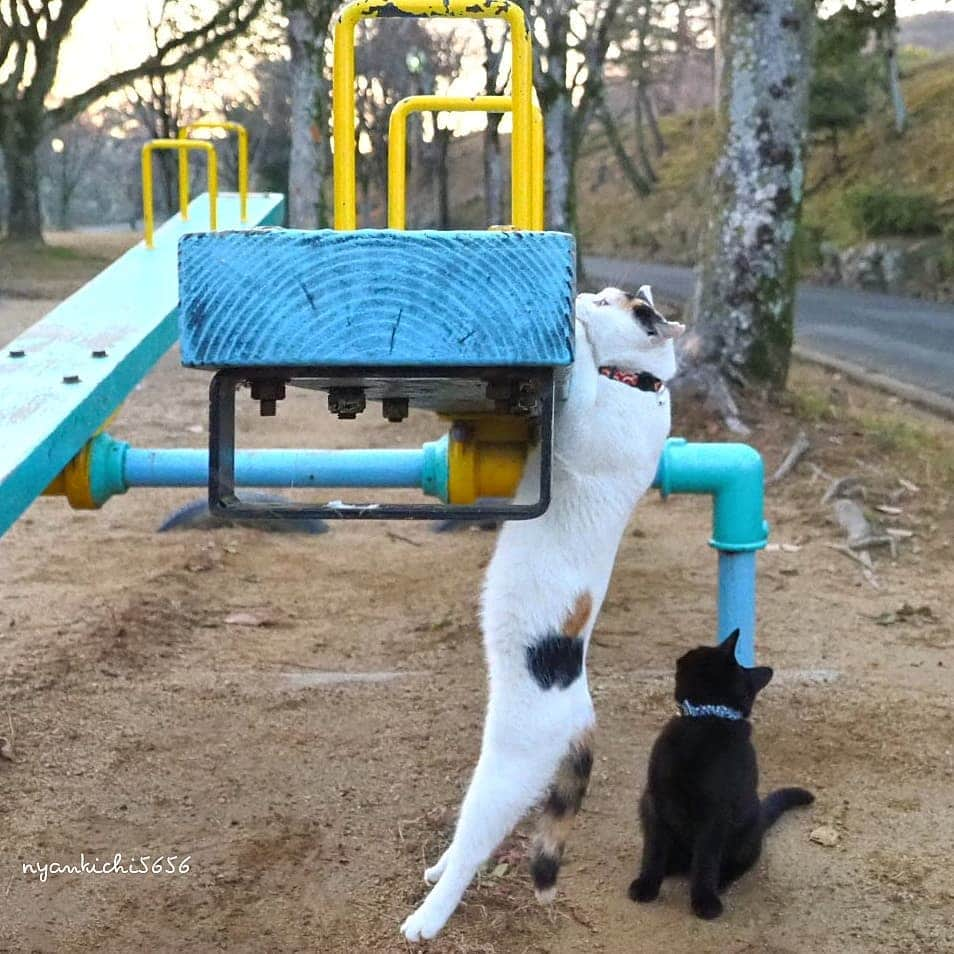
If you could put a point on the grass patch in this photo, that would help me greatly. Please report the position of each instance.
(871, 425)
(56, 269)
(812, 405)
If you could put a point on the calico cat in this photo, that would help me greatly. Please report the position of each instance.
(700, 811)
(543, 591)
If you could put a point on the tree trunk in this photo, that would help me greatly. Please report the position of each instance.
(633, 176)
(559, 169)
(743, 307)
(894, 75)
(493, 173)
(442, 138)
(24, 221)
(304, 175)
(650, 109)
(640, 120)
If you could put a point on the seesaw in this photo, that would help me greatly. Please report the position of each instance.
(475, 326)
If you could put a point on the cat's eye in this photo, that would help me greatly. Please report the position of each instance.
(601, 302)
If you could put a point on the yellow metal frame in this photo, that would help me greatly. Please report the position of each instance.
(242, 135)
(148, 213)
(397, 147)
(343, 94)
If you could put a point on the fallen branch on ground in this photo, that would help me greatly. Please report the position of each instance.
(797, 451)
(842, 487)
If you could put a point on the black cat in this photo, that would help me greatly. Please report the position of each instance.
(700, 812)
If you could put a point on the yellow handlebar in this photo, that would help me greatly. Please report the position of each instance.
(343, 95)
(242, 133)
(397, 148)
(148, 213)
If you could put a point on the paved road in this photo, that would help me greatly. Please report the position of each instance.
(903, 338)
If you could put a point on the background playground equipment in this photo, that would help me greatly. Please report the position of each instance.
(397, 148)
(477, 326)
(182, 147)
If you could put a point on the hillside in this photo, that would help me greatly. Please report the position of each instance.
(613, 220)
(929, 31)
(666, 225)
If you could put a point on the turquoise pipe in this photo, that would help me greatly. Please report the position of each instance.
(733, 475)
(736, 605)
(115, 466)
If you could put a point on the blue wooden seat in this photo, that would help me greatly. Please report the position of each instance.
(376, 298)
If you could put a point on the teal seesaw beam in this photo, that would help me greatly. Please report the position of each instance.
(63, 377)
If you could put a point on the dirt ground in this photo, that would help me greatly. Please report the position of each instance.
(299, 714)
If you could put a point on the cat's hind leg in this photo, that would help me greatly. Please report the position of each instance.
(741, 853)
(508, 779)
(559, 810)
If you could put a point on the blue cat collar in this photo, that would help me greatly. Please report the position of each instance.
(718, 712)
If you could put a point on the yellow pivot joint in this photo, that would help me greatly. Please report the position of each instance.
(486, 457)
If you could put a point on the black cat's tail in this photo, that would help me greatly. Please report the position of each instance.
(781, 800)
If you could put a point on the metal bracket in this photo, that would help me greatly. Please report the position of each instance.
(380, 382)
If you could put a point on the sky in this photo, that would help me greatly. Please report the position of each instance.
(113, 34)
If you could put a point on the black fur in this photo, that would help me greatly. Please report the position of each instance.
(582, 763)
(544, 869)
(555, 661)
(557, 804)
(700, 811)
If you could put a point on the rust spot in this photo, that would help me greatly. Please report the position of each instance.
(578, 616)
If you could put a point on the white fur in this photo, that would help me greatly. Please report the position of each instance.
(607, 444)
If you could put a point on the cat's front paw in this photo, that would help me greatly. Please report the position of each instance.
(707, 906)
(433, 874)
(644, 890)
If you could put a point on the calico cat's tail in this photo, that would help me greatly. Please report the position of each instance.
(562, 803)
(781, 800)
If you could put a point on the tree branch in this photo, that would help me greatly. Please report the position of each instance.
(204, 40)
(639, 183)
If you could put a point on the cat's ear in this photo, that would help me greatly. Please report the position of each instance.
(759, 677)
(730, 642)
(646, 293)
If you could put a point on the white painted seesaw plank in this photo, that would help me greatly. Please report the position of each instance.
(56, 395)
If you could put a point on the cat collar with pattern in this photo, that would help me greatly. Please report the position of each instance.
(717, 711)
(641, 380)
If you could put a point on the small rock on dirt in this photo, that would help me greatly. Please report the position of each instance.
(824, 835)
(248, 619)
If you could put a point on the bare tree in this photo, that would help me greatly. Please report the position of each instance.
(310, 158)
(640, 181)
(573, 39)
(31, 36)
(398, 58)
(156, 102)
(495, 84)
(68, 163)
(743, 307)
